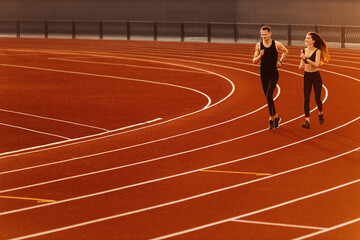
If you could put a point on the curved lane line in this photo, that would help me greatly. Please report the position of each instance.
(34, 131)
(18, 152)
(163, 139)
(150, 142)
(93, 75)
(197, 196)
(54, 119)
(125, 65)
(255, 212)
(328, 229)
(154, 141)
(109, 76)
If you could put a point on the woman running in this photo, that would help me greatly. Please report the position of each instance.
(312, 57)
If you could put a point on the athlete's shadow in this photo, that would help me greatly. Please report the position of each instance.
(323, 145)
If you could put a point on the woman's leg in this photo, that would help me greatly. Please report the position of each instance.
(307, 85)
(317, 90)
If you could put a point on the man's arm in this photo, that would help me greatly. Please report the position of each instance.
(282, 49)
(258, 54)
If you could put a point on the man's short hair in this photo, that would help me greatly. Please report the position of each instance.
(268, 28)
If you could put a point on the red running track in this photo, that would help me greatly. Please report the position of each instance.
(158, 140)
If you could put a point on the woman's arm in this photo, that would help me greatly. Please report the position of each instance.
(302, 62)
(315, 64)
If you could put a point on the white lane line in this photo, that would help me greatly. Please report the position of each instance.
(14, 153)
(236, 58)
(104, 76)
(35, 131)
(54, 119)
(197, 170)
(127, 65)
(106, 55)
(143, 144)
(136, 125)
(77, 158)
(277, 224)
(123, 166)
(224, 51)
(137, 145)
(329, 229)
(70, 142)
(222, 54)
(188, 230)
(112, 77)
(246, 214)
(87, 174)
(140, 60)
(181, 116)
(326, 90)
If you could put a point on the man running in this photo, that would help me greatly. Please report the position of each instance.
(266, 52)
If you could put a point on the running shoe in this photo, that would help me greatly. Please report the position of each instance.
(321, 119)
(306, 125)
(277, 122)
(271, 124)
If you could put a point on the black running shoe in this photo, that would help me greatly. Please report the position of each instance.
(277, 122)
(321, 119)
(306, 125)
(271, 124)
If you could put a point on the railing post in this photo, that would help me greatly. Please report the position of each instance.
(18, 28)
(209, 32)
(289, 35)
(128, 30)
(316, 28)
(155, 31)
(101, 30)
(182, 31)
(46, 28)
(235, 32)
(343, 36)
(73, 29)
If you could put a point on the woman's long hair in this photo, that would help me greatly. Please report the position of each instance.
(320, 44)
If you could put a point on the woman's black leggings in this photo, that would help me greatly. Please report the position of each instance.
(269, 85)
(310, 79)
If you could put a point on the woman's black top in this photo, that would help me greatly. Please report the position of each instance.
(312, 57)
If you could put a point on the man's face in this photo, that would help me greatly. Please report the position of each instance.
(265, 34)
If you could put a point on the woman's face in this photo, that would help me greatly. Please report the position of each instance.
(309, 40)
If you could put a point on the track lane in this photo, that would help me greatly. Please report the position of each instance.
(200, 212)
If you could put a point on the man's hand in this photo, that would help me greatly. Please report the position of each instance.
(262, 53)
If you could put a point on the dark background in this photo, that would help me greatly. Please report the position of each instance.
(328, 12)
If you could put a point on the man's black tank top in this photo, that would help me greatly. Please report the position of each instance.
(269, 59)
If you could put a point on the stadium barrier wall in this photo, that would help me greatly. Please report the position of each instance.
(289, 34)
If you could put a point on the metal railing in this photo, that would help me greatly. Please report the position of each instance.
(290, 34)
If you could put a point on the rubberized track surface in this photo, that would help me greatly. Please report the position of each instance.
(153, 140)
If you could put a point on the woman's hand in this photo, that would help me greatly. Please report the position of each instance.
(302, 55)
